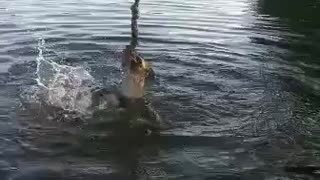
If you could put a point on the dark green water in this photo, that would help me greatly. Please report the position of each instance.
(239, 80)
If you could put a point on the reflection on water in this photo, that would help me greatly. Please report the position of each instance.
(239, 80)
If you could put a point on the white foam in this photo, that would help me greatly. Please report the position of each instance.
(66, 87)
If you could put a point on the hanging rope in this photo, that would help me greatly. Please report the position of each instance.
(134, 24)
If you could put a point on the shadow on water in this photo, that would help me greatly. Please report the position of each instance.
(299, 14)
(297, 68)
(298, 43)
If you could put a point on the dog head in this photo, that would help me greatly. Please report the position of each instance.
(134, 63)
(136, 72)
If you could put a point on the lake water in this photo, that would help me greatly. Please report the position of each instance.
(238, 79)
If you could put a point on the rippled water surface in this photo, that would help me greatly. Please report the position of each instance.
(238, 79)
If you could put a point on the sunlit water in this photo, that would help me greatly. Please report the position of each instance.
(237, 79)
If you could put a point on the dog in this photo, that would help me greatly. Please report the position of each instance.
(129, 97)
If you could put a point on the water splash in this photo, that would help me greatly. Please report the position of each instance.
(39, 59)
(62, 86)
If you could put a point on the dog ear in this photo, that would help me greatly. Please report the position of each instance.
(141, 61)
(150, 74)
